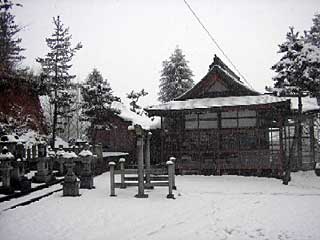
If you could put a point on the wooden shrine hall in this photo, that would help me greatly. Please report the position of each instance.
(222, 126)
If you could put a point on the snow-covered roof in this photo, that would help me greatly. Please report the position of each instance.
(7, 155)
(203, 103)
(114, 154)
(10, 139)
(144, 121)
(69, 155)
(308, 103)
(85, 153)
(202, 89)
(31, 137)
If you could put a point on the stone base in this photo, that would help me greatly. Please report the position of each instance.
(141, 196)
(86, 182)
(71, 189)
(6, 190)
(148, 186)
(23, 184)
(39, 178)
(170, 196)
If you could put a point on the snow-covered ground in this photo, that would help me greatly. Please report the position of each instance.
(206, 207)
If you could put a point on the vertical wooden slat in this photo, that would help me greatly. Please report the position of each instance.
(161, 141)
(312, 140)
(198, 142)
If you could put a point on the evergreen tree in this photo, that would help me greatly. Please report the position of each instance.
(314, 34)
(55, 66)
(97, 99)
(176, 77)
(134, 97)
(9, 42)
(299, 67)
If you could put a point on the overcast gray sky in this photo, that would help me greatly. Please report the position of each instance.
(127, 40)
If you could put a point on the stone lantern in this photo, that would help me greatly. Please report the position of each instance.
(52, 156)
(42, 149)
(5, 166)
(71, 182)
(86, 177)
(60, 160)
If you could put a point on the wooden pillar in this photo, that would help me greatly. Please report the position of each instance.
(161, 141)
(170, 178)
(219, 143)
(147, 159)
(112, 182)
(123, 183)
(173, 160)
(198, 142)
(28, 153)
(34, 151)
(141, 193)
(312, 140)
(285, 161)
(299, 144)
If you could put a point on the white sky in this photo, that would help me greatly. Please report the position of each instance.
(128, 40)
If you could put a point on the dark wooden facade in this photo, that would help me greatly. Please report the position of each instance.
(115, 136)
(209, 131)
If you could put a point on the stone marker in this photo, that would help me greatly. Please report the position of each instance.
(6, 157)
(86, 177)
(71, 183)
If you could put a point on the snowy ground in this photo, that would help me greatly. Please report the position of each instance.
(227, 207)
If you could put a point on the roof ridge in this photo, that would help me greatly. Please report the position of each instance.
(218, 62)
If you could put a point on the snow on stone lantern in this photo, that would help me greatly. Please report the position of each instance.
(5, 166)
(71, 182)
(86, 177)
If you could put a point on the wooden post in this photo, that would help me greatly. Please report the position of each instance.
(141, 193)
(173, 160)
(161, 141)
(112, 182)
(299, 145)
(170, 178)
(147, 159)
(28, 153)
(34, 151)
(312, 141)
(218, 134)
(198, 143)
(286, 161)
(123, 183)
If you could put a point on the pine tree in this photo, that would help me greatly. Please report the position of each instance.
(176, 77)
(9, 42)
(55, 66)
(314, 34)
(134, 97)
(299, 67)
(97, 99)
